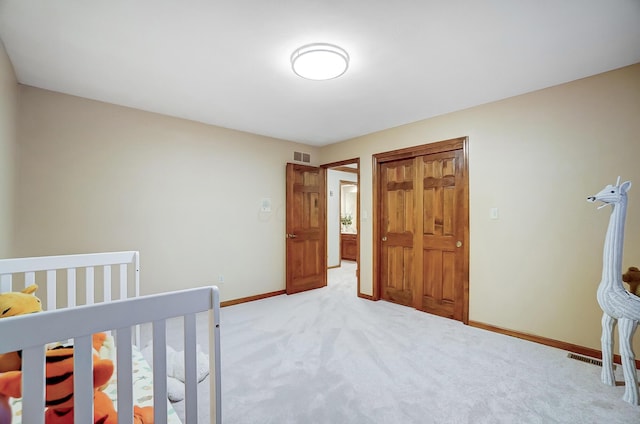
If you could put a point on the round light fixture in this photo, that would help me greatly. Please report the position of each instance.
(319, 61)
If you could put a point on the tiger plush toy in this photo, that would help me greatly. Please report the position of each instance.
(59, 390)
(13, 304)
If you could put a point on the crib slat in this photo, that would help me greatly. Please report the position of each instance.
(106, 272)
(71, 287)
(83, 379)
(5, 283)
(136, 289)
(33, 377)
(29, 278)
(123, 282)
(159, 372)
(136, 265)
(124, 375)
(215, 383)
(89, 285)
(52, 301)
(190, 369)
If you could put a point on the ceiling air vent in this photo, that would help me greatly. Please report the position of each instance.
(301, 157)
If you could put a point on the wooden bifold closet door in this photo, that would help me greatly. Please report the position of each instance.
(422, 229)
(398, 275)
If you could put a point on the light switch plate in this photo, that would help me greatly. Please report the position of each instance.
(265, 205)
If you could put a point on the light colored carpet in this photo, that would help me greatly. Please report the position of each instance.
(326, 356)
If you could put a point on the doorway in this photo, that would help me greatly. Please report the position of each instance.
(343, 222)
(421, 228)
(348, 218)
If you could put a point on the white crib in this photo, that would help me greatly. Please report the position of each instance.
(105, 308)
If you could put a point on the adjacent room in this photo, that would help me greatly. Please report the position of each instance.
(189, 132)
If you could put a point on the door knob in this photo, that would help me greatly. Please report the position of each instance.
(384, 238)
(458, 243)
(291, 236)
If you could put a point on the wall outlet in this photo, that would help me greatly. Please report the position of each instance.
(220, 278)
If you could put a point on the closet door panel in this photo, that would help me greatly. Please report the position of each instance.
(441, 252)
(398, 229)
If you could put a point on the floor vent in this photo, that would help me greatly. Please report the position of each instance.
(586, 359)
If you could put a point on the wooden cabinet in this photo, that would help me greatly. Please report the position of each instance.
(348, 246)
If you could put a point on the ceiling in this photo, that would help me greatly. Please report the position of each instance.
(226, 62)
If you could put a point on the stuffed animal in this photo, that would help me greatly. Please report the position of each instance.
(12, 304)
(5, 410)
(176, 372)
(59, 389)
(19, 303)
(632, 277)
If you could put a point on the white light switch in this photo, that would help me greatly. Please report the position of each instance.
(493, 213)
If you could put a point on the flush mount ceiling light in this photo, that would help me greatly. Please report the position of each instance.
(319, 61)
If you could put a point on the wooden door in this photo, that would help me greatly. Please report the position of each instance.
(421, 254)
(305, 226)
(443, 234)
(397, 196)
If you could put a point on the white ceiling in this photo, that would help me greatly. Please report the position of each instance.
(226, 62)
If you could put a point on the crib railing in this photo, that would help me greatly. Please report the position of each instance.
(30, 333)
(72, 280)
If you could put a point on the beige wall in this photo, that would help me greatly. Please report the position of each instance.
(536, 157)
(98, 177)
(8, 107)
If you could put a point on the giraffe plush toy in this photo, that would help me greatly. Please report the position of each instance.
(618, 305)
